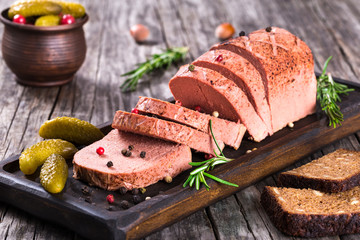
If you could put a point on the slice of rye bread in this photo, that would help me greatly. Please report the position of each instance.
(166, 130)
(310, 213)
(243, 74)
(213, 92)
(230, 133)
(161, 159)
(286, 66)
(335, 172)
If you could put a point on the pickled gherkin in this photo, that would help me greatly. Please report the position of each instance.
(54, 173)
(75, 9)
(33, 157)
(48, 20)
(71, 129)
(32, 8)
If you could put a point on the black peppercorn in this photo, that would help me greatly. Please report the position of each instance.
(123, 190)
(123, 151)
(142, 154)
(131, 147)
(127, 154)
(124, 204)
(110, 208)
(136, 199)
(85, 190)
(109, 164)
(268, 29)
(135, 191)
(242, 33)
(88, 199)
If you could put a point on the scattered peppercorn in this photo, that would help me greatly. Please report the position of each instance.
(135, 191)
(242, 33)
(135, 110)
(198, 108)
(268, 29)
(142, 190)
(224, 31)
(100, 150)
(85, 190)
(219, 58)
(215, 114)
(139, 32)
(168, 179)
(248, 151)
(110, 208)
(131, 147)
(290, 124)
(126, 153)
(191, 67)
(109, 164)
(147, 198)
(110, 198)
(177, 102)
(88, 199)
(123, 190)
(142, 154)
(136, 199)
(124, 204)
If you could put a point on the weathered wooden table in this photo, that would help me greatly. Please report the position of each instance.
(328, 27)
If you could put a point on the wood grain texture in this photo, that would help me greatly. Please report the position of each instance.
(328, 27)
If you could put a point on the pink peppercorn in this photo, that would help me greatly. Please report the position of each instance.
(208, 156)
(135, 110)
(177, 102)
(219, 58)
(198, 108)
(110, 198)
(100, 150)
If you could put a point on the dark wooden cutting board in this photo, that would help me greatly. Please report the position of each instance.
(84, 209)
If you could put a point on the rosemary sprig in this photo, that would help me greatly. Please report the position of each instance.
(328, 92)
(165, 59)
(197, 176)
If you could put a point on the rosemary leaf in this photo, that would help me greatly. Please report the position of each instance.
(198, 175)
(328, 94)
(157, 61)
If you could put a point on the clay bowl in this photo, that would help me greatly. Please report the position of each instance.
(43, 56)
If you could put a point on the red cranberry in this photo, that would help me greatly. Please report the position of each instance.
(219, 58)
(67, 19)
(198, 108)
(110, 198)
(135, 110)
(100, 150)
(178, 103)
(208, 156)
(19, 19)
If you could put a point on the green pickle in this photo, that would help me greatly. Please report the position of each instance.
(34, 8)
(54, 173)
(33, 157)
(75, 9)
(48, 20)
(71, 129)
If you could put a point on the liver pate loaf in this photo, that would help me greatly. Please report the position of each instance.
(243, 74)
(334, 172)
(230, 133)
(310, 213)
(213, 92)
(166, 130)
(286, 66)
(161, 159)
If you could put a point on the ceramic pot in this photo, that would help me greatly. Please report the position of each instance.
(43, 56)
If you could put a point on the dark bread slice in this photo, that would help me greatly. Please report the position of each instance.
(166, 130)
(335, 172)
(310, 213)
(230, 133)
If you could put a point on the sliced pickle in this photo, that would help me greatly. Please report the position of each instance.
(34, 156)
(71, 129)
